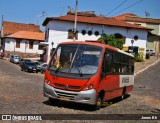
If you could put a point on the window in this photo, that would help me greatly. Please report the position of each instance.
(17, 43)
(71, 34)
(118, 63)
(30, 45)
(41, 47)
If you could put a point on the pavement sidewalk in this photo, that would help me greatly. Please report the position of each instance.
(142, 66)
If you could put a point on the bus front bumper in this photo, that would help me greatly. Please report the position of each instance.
(86, 97)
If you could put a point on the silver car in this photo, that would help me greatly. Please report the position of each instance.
(14, 59)
(150, 52)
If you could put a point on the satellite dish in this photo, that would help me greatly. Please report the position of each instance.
(147, 14)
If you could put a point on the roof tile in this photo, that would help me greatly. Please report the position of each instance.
(95, 20)
(28, 35)
(12, 27)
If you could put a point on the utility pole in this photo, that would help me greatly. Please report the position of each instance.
(1, 35)
(75, 22)
(102, 34)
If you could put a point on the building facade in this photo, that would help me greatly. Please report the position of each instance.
(90, 27)
(21, 38)
(24, 41)
(154, 24)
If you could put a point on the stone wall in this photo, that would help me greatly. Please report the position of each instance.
(22, 55)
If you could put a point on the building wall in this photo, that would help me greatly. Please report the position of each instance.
(58, 32)
(10, 45)
(153, 26)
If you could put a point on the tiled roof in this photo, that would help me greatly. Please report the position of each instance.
(12, 27)
(134, 18)
(95, 20)
(28, 35)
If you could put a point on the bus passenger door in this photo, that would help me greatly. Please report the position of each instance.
(106, 77)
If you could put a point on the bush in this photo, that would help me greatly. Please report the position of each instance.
(139, 57)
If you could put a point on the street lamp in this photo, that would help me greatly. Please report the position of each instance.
(132, 41)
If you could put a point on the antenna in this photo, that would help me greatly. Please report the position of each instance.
(42, 15)
(70, 9)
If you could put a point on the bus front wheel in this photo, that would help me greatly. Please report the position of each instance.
(98, 104)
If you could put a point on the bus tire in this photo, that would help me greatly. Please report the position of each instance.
(99, 102)
(123, 94)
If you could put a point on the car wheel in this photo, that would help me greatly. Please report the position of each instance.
(26, 70)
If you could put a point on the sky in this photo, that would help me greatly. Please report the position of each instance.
(30, 11)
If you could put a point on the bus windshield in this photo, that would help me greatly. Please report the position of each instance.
(76, 59)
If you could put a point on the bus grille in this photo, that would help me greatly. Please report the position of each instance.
(66, 95)
(67, 87)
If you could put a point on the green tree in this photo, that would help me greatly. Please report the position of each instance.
(112, 41)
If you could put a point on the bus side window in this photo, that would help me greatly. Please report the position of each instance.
(108, 63)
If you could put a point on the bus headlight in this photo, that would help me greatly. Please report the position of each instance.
(47, 81)
(89, 87)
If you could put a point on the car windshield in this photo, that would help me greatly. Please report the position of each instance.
(45, 65)
(30, 63)
(16, 57)
(76, 59)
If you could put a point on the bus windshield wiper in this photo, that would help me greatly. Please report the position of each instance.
(79, 70)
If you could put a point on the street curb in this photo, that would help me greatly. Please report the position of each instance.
(146, 68)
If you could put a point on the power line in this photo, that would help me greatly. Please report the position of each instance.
(117, 7)
(123, 9)
(129, 7)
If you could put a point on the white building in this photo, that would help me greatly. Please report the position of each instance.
(24, 41)
(90, 27)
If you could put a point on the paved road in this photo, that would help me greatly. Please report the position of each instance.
(22, 93)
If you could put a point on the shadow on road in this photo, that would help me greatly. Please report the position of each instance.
(78, 106)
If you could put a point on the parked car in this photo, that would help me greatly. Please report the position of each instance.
(39, 66)
(44, 67)
(14, 59)
(150, 52)
(23, 60)
(29, 67)
(1, 54)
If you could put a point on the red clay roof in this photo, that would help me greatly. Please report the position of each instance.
(135, 18)
(12, 27)
(95, 20)
(28, 35)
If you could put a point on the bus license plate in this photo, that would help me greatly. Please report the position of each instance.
(64, 98)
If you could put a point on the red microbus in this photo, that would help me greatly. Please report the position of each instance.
(89, 73)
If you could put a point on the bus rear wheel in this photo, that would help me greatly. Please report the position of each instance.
(123, 96)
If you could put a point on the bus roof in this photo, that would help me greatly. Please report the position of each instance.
(96, 43)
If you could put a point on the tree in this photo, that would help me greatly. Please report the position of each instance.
(112, 41)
